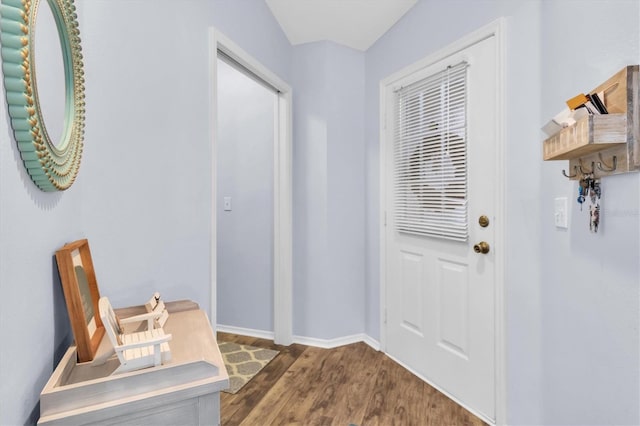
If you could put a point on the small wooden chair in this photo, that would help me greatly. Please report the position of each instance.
(156, 307)
(138, 350)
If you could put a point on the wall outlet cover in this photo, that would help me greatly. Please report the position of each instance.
(560, 213)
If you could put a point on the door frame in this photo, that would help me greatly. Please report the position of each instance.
(495, 29)
(282, 179)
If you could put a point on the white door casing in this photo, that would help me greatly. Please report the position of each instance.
(442, 311)
(282, 171)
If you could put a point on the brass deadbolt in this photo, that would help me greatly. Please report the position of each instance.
(481, 247)
(483, 221)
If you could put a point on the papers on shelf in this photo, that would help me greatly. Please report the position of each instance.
(564, 118)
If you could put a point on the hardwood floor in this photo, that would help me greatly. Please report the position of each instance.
(352, 384)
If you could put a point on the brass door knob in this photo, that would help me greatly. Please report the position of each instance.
(481, 247)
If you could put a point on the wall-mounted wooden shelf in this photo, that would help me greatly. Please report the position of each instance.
(604, 144)
(590, 134)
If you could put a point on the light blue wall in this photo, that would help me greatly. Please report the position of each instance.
(572, 298)
(345, 71)
(250, 24)
(246, 115)
(310, 246)
(328, 191)
(34, 325)
(146, 163)
(424, 30)
(143, 194)
(590, 282)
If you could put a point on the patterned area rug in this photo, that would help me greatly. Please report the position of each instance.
(243, 362)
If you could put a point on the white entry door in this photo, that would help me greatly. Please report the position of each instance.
(440, 169)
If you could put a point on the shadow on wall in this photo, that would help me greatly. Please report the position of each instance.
(61, 322)
(34, 416)
(62, 334)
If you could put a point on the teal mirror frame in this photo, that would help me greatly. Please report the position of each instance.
(51, 166)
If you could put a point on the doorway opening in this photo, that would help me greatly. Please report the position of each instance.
(246, 126)
(279, 171)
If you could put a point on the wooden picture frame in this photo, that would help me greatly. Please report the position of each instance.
(81, 293)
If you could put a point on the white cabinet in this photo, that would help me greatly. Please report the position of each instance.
(184, 391)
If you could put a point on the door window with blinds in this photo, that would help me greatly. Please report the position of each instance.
(430, 155)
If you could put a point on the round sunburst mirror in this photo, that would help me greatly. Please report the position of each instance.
(52, 164)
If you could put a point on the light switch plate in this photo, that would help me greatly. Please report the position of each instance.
(560, 213)
(227, 204)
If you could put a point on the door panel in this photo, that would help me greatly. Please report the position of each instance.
(453, 307)
(412, 307)
(440, 318)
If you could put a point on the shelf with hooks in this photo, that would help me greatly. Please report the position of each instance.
(604, 144)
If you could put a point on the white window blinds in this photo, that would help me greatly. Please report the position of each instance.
(430, 155)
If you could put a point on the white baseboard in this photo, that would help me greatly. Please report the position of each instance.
(261, 334)
(303, 340)
(371, 342)
(338, 341)
(328, 343)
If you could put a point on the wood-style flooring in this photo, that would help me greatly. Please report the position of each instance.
(348, 385)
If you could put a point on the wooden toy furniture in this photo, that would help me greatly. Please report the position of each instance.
(156, 307)
(136, 350)
(184, 390)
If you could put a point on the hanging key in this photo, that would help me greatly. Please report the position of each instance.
(582, 188)
(594, 205)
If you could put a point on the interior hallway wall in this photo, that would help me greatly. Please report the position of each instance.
(427, 28)
(250, 24)
(158, 137)
(143, 194)
(147, 152)
(246, 116)
(572, 297)
(328, 191)
(34, 325)
(590, 286)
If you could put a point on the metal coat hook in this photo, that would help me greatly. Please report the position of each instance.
(606, 167)
(593, 167)
(575, 171)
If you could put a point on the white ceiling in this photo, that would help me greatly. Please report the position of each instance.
(354, 23)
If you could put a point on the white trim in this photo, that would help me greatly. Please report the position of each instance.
(382, 220)
(239, 55)
(371, 342)
(500, 32)
(283, 223)
(302, 340)
(495, 29)
(336, 342)
(282, 202)
(240, 331)
(213, 178)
